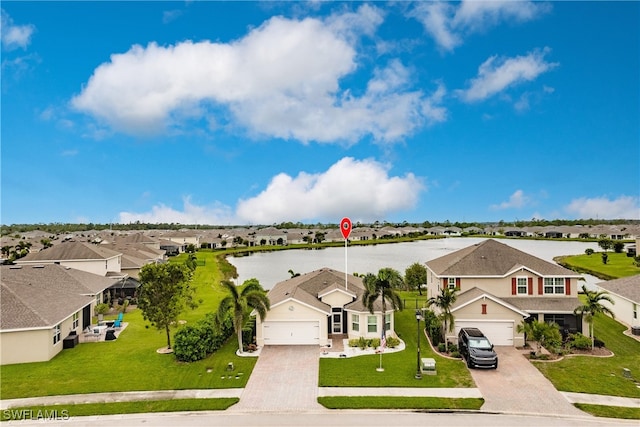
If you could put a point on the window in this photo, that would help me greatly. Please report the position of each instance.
(56, 334)
(451, 283)
(522, 285)
(635, 311)
(355, 322)
(555, 318)
(76, 320)
(554, 285)
(387, 321)
(372, 324)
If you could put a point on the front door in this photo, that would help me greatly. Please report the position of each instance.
(336, 320)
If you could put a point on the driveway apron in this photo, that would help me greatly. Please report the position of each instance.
(285, 379)
(518, 387)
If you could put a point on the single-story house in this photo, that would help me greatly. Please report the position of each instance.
(40, 306)
(500, 287)
(88, 257)
(316, 307)
(625, 293)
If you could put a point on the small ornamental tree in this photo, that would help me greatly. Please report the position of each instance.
(415, 276)
(164, 292)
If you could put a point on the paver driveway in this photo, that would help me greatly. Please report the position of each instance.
(517, 386)
(285, 379)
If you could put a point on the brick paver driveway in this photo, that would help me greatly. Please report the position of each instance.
(517, 386)
(285, 379)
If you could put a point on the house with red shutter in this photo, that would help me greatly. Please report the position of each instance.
(499, 287)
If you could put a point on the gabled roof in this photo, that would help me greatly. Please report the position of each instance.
(627, 287)
(306, 288)
(560, 305)
(475, 294)
(494, 259)
(43, 296)
(69, 251)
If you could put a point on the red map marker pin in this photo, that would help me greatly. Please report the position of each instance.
(345, 227)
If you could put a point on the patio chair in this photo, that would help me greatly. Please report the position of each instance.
(117, 323)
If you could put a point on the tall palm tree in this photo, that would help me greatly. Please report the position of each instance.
(382, 286)
(592, 306)
(444, 301)
(239, 303)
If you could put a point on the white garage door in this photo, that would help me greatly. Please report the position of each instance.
(498, 332)
(291, 333)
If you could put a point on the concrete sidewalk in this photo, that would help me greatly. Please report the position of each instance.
(131, 396)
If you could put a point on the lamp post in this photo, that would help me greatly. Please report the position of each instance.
(418, 370)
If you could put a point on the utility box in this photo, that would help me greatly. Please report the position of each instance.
(428, 366)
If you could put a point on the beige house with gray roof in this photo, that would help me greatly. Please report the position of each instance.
(316, 307)
(40, 306)
(88, 257)
(499, 287)
(625, 293)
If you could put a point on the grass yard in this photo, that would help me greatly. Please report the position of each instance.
(599, 375)
(610, 411)
(131, 362)
(385, 402)
(138, 407)
(617, 266)
(399, 368)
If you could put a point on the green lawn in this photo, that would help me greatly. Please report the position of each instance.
(618, 265)
(68, 411)
(385, 402)
(599, 375)
(131, 362)
(400, 367)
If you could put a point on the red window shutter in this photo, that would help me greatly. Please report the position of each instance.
(540, 290)
(458, 283)
(530, 283)
(445, 283)
(484, 308)
(513, 286)
(567, 286)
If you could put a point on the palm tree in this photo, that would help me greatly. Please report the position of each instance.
(592, 306)
(382, 286)
(540, 332)
(444, 301)
(239, 303)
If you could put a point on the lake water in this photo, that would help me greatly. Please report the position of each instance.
(273, 267)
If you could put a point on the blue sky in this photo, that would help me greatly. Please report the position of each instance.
(263, 112)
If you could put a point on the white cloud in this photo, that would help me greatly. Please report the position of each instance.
(190, 214)
(361, 189)
(281, 80)
(624, 207)
(14, 36)
(448, 24)
(497, 74)
(516, 201)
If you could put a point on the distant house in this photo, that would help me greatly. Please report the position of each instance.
(499, 287)
(625, 293)
(88, 257)
(315, 307)
(40, 305)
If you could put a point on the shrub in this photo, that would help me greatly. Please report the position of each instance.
(192, 343)
(588, 251)
(455, 354)
(393, 342)
(453, 347)
(598, 343)
(441, 347)
(354, 342)
(363, 343)
(579, 342)
(374, 343)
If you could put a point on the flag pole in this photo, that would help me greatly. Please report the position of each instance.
(346, 283)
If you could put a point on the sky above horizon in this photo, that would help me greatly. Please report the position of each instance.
(246, 112)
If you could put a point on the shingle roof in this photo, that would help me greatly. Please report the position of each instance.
(492, 258)
(627, 287)
(306, 288)
(544, 304)
(43, 296)
(70, 251)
